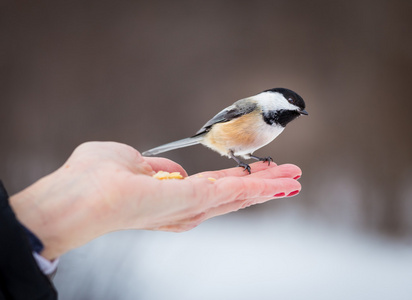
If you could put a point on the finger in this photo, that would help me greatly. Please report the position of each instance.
(232, 188)
(236, 171)
(241, 204)
(281, 171)
(192, 222)
(164, 164)
(183, 225)
(205, 194)
(225, 209)
(231, 207)
(215, 199)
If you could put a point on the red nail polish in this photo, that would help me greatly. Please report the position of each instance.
(293, 193)
(279, 195)
(297, 177)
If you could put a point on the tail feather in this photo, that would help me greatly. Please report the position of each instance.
(174, 145)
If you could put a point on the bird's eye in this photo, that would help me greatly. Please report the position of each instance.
(290, 100)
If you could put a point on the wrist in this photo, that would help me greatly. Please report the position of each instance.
(52, 209)
(31, 209)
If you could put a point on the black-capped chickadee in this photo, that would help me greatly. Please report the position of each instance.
(245, 126)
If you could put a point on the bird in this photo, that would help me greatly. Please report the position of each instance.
(245, 126)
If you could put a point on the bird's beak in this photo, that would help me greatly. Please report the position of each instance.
(303, 112)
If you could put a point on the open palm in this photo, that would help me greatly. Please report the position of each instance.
(107, 186)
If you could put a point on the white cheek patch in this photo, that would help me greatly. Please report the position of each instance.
(270, 101)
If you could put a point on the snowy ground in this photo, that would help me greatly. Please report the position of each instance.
(262, 255)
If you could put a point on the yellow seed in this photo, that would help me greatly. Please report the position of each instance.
(161, 175)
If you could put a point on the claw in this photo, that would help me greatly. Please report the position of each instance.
(245, 167)
(264, 159)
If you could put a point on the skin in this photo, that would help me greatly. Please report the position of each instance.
(107, 186)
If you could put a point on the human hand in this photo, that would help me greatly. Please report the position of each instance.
(107, 186)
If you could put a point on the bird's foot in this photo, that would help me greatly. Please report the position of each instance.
(245, 167)
(264, 159)
(240, 163)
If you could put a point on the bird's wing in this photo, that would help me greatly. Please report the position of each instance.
(239, 108)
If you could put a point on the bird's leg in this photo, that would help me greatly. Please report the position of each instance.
(239, 162)
(264, 159)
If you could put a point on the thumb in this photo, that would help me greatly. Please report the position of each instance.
(164, 164)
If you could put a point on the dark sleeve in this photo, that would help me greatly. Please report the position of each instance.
(20, 276)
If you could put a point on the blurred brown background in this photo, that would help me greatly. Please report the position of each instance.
(146, 73)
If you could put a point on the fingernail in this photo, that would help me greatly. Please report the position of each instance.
(293, 193)
(297, 177)
(279, 195)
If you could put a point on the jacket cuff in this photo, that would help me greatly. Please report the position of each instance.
(21, 277)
